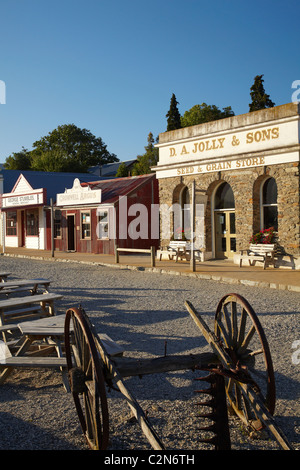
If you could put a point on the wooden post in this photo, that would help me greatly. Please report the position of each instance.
(52, 227)
(116, 254)
(193, 212)
(152, 256)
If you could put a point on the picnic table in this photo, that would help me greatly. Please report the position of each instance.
(181, 249)
(21, 285)
(4, 275)
(20, 307)
(39, 338)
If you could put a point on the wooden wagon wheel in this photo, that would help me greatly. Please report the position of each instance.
(86, 379)
(241, 334)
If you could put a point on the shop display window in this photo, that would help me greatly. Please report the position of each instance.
(32, 222)
(85, 225)
(11, 223)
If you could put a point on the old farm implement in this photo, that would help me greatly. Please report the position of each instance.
(239, 372)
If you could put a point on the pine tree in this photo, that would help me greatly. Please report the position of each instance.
(148, 160)
(173, 115)
(260, 100)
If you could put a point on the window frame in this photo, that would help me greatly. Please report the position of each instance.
(14, 227)
(100, 223)
(83, 224)
(36, 220)
(57, 224)
(264, 206)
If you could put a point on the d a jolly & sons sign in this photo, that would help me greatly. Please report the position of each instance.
(230, 150)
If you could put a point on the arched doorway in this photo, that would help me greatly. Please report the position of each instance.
(224, 222)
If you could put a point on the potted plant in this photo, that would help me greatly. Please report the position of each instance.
(265, 236)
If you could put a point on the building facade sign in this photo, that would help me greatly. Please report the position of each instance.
(225, 150)
(78, 195)
(22, 200)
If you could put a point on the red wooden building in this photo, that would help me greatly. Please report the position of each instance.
(92, 217)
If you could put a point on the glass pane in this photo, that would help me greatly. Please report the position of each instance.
(232, 222)
(270, 192)
(223, 244)
(224, 197)
(271, 217)
(232, 244)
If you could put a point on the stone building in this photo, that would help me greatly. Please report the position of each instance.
(243, 174)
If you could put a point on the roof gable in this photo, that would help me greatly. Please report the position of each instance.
(22, 185)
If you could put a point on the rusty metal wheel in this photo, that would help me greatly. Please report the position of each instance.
(241, 334)
(86, 379)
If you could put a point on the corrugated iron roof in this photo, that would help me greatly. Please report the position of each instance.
(114, 188)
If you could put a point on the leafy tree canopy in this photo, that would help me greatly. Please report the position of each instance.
(201, 113)
(260, 100)
(18, 160)
(67, 148)
(122, 170)
(146, 161)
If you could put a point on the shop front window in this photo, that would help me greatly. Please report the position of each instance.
(11, 223)
(102, 225)
(57, 224)
(269, 204)
(85, 225)
(32, 222)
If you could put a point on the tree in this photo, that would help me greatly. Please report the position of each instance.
(173, 115)
(260, 100)
(67, 148)
(18, 160)
(201, 113)
(122, 170)
(146, 161)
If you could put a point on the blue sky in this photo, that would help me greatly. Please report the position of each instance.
(111, 66)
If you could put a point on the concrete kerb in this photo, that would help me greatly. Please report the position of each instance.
(212, 277)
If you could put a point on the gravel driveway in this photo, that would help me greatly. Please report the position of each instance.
(142, 311)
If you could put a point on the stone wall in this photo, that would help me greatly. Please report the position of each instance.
(246, 186)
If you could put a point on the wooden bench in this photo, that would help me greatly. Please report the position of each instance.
(259, 252)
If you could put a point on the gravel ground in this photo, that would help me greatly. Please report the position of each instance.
(141, 311)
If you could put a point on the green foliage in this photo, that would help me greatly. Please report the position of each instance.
(67, 148)
(146, 161)
(18, 160)
(122, 170)
(260, 100)
(173, 115)
(201, 113)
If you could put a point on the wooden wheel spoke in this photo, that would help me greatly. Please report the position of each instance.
(242, 328)
(238, 328)
(224, 334)
(247, 340)
(89, 394)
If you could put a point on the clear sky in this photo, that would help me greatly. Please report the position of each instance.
(111, 66)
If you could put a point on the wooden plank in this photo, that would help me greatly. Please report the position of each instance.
(23, 282)
(112, 348)
(15, 302)
(129, 367)
(33, 361)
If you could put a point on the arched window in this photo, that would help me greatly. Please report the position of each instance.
(224, 198)
(185, 222)
(269, 210)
